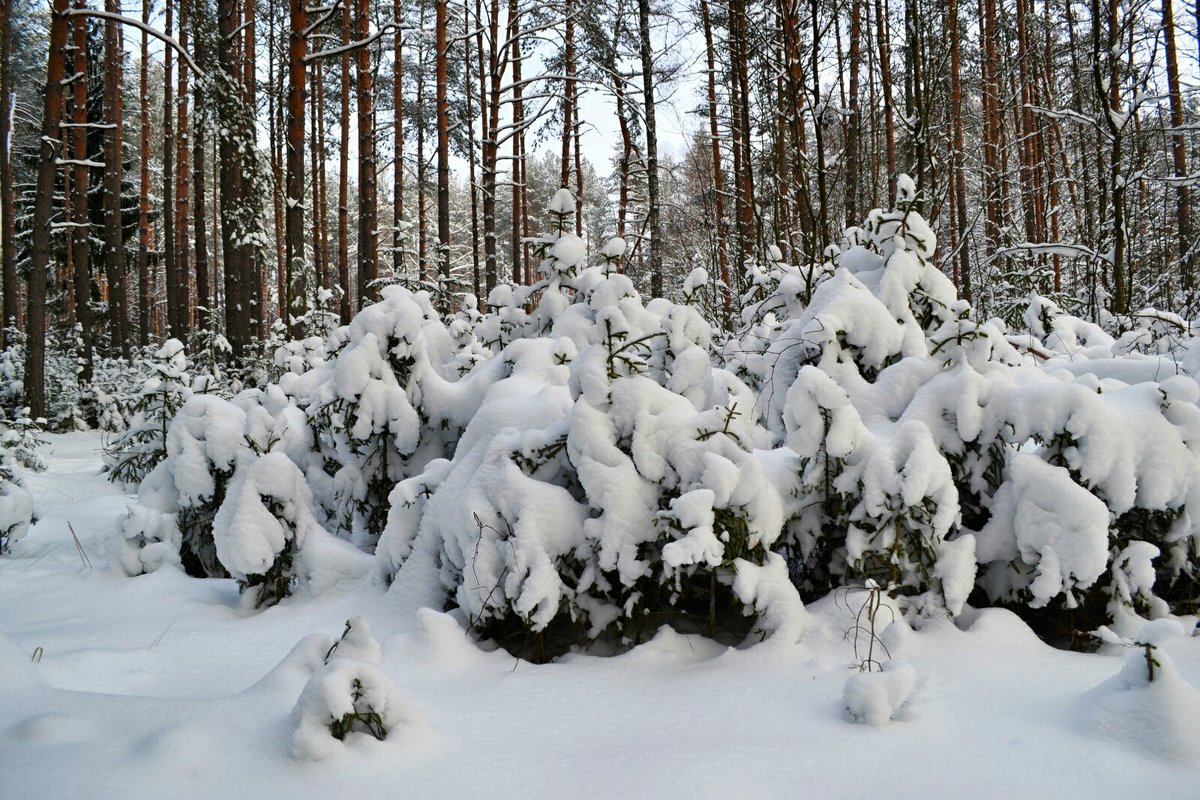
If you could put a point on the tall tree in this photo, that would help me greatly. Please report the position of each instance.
(145, 235)
(398, 237)
(1183, 210)
(170, 238)
(368, 267)
(114, 231)
(957, 166)
(344, 177)
(718, 177)
(8, 240)
(183, 294)
(443, 143)
(204, 298)
(517, 170)
(39, 257)
(81, 257)
(646, 51)
(294, 222)
(239, 218)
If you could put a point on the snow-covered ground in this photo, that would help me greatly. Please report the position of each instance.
(163, 686)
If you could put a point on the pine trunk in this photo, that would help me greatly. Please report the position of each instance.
(39, 258)
(294, 219)
(367, 206)
(443, 146)
(114, 238)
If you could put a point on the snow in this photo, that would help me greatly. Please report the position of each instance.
(162, 685)
(1050, 523)
(876, 698)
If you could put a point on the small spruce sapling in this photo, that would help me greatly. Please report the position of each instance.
(133, 454)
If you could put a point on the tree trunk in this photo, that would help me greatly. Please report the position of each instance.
(518, 164)
(469, 93)
(718, 176)
(182, 181)
(1183, 213)
(257, 291)
(8, 242)
(490, 146)
(422, 161)
(145, 242)
(367, 206)
(170, 263)
(204, 299)
(81, 257)
(235, 204)
(885, 76)
(1108, 91)
(114, 239)
(568, 93)
(853, 118)
(991, 126)
(316, 157)
(294, 219)
(347, 305)
(443, 147)
(956, 157)
(35, 353)
(656, 275)
(321, 182)
(398, 237)
(276, 102)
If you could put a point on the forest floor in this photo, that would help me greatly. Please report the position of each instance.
(164, 686)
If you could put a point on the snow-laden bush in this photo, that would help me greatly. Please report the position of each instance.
(267, 537)
(16, 504)
(878, 495)
(571, 465)
(349, 700)
(22, 438)
(388, 400)
(229, 499)
(606, 485)
(1061, 461)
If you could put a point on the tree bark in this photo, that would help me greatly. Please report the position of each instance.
(347, 304)
(81, 257)
(114, 238)
(495, 73)
(398, 237)
(853, 117)
(170, 263)
(204, 300)
(645, 47)
(294, 215)
(9, 309)
(234, 193)
(443, 146)
(182, 184)
(367, 204)
(35, 353)
(1183, 211)
(885, 77)
(717, 176)
(144, 234)
(518, 138)
(957, 157)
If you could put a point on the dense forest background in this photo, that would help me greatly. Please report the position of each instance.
(225, 171)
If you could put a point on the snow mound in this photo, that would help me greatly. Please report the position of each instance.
(874, 698)
(351, 701)
(1160, 717)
